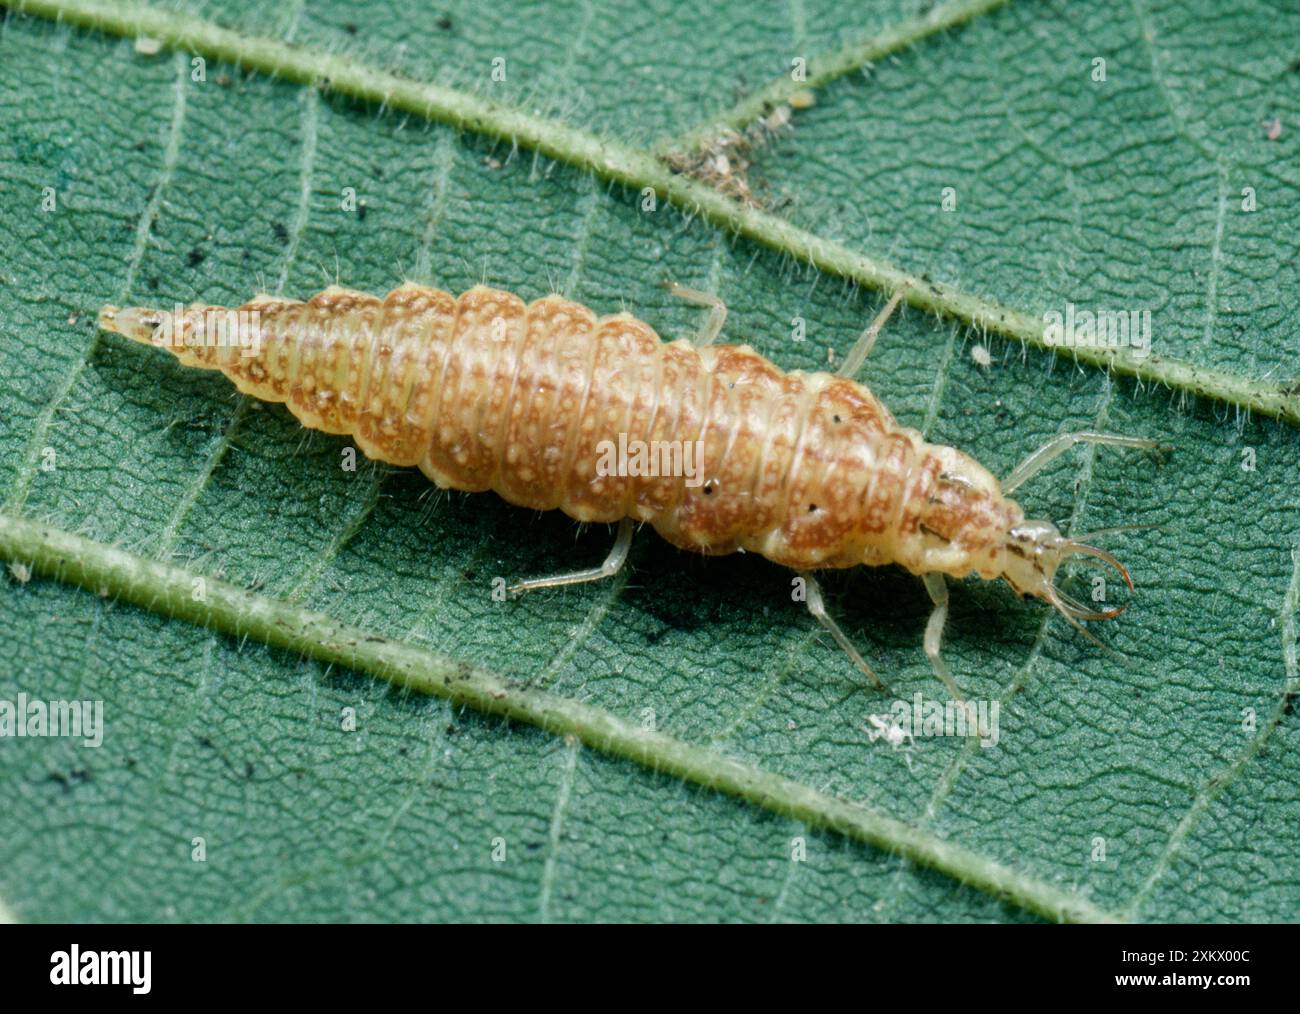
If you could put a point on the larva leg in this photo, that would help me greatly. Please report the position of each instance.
(867, 340)
(612, 565)
(817, 606)
(938, 589)
(717, 312)
(1058, 445)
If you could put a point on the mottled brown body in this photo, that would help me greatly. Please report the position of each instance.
(485, 392)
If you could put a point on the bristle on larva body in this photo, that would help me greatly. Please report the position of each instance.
(485, 392)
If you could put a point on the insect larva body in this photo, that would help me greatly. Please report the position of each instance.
(485, 392)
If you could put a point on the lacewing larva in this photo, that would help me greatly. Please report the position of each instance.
(485, 392)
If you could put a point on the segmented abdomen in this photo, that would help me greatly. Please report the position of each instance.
(484, 392)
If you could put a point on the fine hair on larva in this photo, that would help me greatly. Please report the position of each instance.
(713, 446)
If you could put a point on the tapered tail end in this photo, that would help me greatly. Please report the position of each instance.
(135, 322)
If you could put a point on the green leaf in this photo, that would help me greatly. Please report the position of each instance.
(1175, 749)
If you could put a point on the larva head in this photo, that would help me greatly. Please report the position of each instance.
(959, 515)
(1033, 552)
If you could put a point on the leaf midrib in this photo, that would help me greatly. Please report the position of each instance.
(167, 590)
(1203, 798)
(639, 169)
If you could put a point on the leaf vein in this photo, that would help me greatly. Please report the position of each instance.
(638, 169)
(1215, 785)
(144, 228)
(165, 589)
